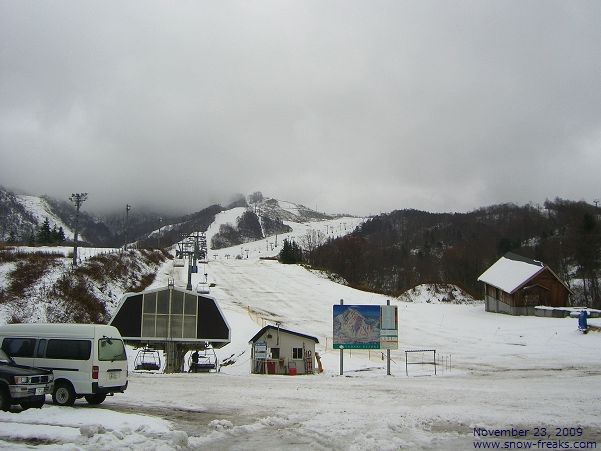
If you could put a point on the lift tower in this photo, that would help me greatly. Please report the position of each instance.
(194, 248)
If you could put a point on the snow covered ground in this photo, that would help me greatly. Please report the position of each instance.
(496, 372)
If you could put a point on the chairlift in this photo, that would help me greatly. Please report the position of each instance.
(147, 359)
(203, 288)
(179, 262)
(203, 361)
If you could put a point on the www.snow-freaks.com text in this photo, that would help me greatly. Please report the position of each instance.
(540, 437)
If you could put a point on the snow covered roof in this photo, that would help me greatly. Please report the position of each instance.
(510, 272)
(262, 331)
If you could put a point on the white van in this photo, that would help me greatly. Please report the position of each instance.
(88, 360)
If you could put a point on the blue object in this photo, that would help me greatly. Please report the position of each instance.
(582, 324)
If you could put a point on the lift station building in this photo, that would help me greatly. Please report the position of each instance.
(171, 319)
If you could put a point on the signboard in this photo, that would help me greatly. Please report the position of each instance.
(365, 327)
(260, 350)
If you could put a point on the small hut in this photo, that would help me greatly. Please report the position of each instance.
(516, 285)
(281, 351)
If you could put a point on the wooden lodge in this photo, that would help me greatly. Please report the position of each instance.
(516, 285)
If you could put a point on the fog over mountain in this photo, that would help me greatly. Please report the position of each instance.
(344, 106)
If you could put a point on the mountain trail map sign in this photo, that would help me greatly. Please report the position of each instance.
(365, 327)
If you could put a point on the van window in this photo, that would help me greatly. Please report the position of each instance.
(41, 348)
(111, 349)
(68, 349)
(19, 347)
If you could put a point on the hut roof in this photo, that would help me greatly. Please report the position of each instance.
(262, 331)
(510, 272)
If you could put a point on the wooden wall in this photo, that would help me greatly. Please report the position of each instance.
(544, 289)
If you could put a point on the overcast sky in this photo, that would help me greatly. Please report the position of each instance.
(347, 106)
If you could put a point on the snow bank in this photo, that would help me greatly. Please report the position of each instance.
(437, 294)
(93, 428)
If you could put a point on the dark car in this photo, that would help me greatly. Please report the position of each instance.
(24, 385)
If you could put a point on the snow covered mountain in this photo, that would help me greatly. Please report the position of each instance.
(352, 324)
(40, 209)
(15, 218)
(21, 215)
(287, 211)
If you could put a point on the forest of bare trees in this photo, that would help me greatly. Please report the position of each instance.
(394, 252)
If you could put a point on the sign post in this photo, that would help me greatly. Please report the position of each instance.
(341, 350)
(388, 351)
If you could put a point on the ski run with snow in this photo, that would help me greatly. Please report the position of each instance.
(496, 374)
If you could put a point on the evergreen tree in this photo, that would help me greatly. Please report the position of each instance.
(291, 253)
(44, 233)
(54, 235)
(60, 238)
(249, 226)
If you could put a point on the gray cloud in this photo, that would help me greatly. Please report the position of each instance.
(349, 106)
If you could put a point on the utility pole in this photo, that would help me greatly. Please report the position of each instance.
(127, 208)
(159, 234)
(77, 199)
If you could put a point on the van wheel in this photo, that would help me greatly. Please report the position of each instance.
(98, 398)
(4, 400)
(63, 395)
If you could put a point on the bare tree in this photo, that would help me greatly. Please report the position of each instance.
(311, 241)
(255, 197)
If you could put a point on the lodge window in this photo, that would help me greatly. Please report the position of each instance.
(297, 353)
(275, 353)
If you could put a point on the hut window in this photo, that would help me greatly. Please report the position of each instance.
(275, 353)
(297, 353)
